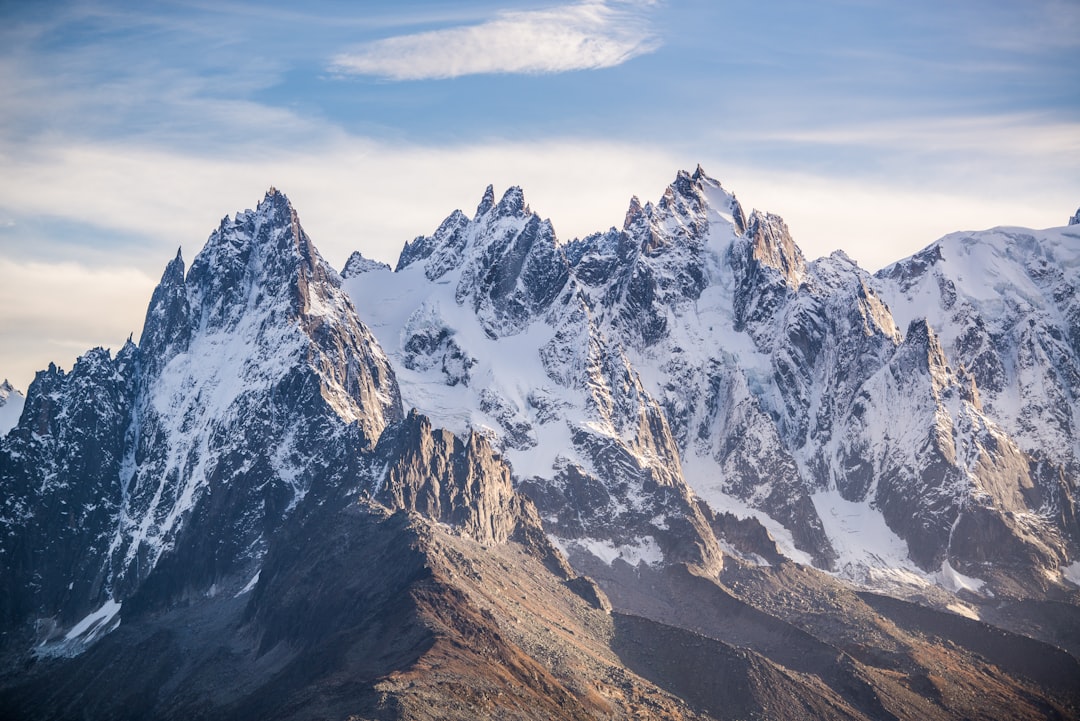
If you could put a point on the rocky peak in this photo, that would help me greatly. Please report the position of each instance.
(486, 203)
(512, 204)
(769, 270)
(258, 384)
(512, 267)
(61, 480)
(357, 264)
(694, 199)
(685, 185)
(926, 349)
(908, 272)
(685, 198)
(260, 282)
(55, 397)
(167, 327)
(443, 249)
(773, 246)
(634, 214)
(1075, 220)
(6, 390)
(259, 260)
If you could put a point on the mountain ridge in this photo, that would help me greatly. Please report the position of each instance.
(803, 340)
(616, 450)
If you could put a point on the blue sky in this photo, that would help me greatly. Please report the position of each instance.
(128, 129)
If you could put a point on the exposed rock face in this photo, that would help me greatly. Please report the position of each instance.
(60, 470)
(1010, 332)
(463, 483)
(509, 268)
(370, 613)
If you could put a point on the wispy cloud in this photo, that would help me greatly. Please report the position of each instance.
(1017, 135)
(1035, 26)
(585, 36)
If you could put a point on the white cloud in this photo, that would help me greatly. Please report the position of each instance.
(876, 223)
(354, 193)
(589, 35)
(1011, 135)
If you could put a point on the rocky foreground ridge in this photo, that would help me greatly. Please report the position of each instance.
(672, 470)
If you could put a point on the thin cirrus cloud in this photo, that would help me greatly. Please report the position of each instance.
(585, 36)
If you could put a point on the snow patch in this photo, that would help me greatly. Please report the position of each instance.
(11, 407)
(85, 632)
(1071, 573)
(868, 549)
(95, 623)
(701, 475)
(955, 581)
(646, 550)
(250, 584)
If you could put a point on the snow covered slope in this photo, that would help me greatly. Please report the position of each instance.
(490, 332)
(1005, 305)
(696, 348)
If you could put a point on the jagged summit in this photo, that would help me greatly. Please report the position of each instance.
(512, 204)
(773, 410)
(486, 203)
(11, 405)
(253, 385)
(773, 246)
(634, 213)
(357, 264)
(1075, 220)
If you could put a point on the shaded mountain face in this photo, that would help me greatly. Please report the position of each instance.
(253, 387)
(616, 450)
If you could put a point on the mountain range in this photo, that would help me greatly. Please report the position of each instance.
(669, 470)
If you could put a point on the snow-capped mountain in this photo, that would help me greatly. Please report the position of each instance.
(374, 493)
(1005, 306)
(697, 344)
(11, 405)
(490, 332)
(253, 386)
